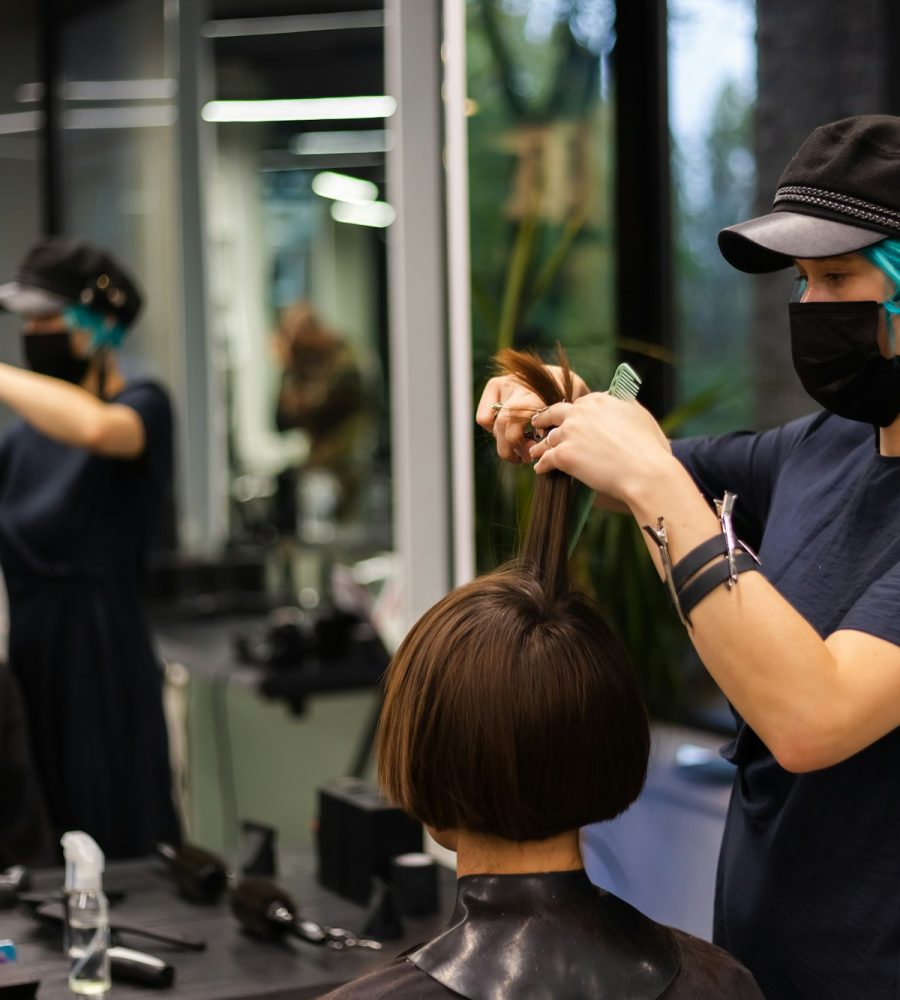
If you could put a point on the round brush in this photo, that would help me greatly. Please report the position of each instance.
(199, 875)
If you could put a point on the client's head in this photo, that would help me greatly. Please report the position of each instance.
(510, 709)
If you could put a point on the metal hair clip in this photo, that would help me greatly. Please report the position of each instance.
(724, 508)
(724, 511)
(659, 536)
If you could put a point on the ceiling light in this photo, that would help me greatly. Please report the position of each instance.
(340, 143)
(376, 213)
(153, 89)
(342, 187)
(305, 110)
(146, 116)
(21, 121)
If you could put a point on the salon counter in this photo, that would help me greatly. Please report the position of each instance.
(233, 966)
(251, 743)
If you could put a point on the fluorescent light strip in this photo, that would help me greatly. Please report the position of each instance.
(153, 116)
(377, 214)
(119, 90)
(239, 27)
(163, 89)
(341, 187)
(29, 93)
(303, 110)
(21, 121)
(340, 143)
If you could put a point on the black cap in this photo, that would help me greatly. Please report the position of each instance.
(840, 193)
(58, 272)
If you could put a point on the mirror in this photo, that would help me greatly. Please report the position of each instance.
(296, 207)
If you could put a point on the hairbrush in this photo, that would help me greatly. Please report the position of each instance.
(200, 875)
(266, 911)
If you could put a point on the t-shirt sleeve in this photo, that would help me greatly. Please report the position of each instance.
(745, 463)
(876, 611)
(151, 403)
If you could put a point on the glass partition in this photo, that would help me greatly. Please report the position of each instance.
(117, 165)
(541, 187)
(712, 91)
(21, 125)
(712, 87)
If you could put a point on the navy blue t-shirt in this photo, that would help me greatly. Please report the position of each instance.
(75, 529)
(808, 889)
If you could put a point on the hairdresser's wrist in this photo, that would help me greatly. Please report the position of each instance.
(667, 490)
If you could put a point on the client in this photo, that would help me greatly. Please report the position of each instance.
(511, 719)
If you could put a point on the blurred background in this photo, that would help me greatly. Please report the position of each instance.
(339, 210)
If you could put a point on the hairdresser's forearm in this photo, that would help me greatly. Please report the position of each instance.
(70, 414)
(768, 660)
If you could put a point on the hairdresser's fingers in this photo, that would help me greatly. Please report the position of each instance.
(550, 439)
(486, 413)
(505, 410)
(551, 416)
(601, 441)
(554, 457)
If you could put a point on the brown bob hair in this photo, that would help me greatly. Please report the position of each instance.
(510, 708)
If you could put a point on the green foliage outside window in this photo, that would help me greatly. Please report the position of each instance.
(541, 159)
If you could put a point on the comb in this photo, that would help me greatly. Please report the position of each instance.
(624, 385)
(625, 382)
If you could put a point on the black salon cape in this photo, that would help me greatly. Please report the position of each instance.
(554, 935)
(806, 893)
(707, 973)
(74, 534)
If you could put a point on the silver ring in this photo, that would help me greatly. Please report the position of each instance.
(497, 407)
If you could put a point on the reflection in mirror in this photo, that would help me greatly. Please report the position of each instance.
(296, 211)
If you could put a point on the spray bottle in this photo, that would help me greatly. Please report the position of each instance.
(87, 915)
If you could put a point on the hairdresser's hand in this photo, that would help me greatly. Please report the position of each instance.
(508, 422)
(612, 445)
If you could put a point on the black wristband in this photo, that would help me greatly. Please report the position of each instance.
(697, 558)
(707, 581)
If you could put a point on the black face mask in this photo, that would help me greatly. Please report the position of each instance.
(836, 355)
(51, 354)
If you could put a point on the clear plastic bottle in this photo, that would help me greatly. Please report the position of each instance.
(87, 915)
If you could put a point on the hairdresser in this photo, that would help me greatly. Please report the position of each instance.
(806, 646)
(83, 474)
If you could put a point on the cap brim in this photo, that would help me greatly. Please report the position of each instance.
(29, 301)
(772, 242)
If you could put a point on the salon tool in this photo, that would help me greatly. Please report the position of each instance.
(87, 914)
(414, 881)
(12, 882)
(199, 875)
(358, 833)
(52, 912)
(35, 899)
(625, 384)
(129, 966)
(257, 848)
(382, 918)
(266, 911)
